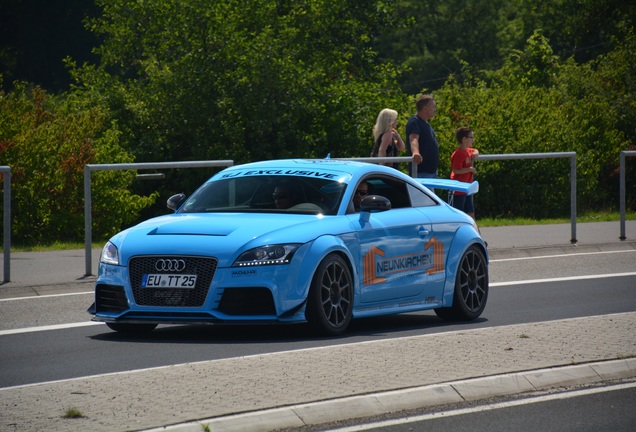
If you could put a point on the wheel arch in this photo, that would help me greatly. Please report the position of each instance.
(465, 237)
(329, 306)
(319, 250)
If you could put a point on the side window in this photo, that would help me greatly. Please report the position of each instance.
(420, 198)
(393, 189)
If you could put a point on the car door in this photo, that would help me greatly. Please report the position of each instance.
(396, 248)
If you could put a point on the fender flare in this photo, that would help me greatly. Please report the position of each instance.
(318, 250)
(465, 237)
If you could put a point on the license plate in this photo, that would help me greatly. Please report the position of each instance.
(168, 281)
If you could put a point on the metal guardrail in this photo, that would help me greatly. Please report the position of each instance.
(514, 156)
(623, 155)
(88, 203)
(6, 172)
(377, 160)
(571, 155)
(6, 175)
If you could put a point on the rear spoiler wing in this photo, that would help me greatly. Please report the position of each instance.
(451, 185)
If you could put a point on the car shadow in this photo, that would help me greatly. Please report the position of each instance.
(362, 329)
(414, 324)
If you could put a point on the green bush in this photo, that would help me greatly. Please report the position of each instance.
(535, 104)
(47, 141)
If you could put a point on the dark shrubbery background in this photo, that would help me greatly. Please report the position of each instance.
(198, 80)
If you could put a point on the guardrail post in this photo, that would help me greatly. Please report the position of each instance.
(622, 168)
(573, 198)
(622, 195)
(6, 175)
(88, 222)
(88, 204)
(571, 155)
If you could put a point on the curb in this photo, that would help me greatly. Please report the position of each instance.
(314, 414)
(528, 251)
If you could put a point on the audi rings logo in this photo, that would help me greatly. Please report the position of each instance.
(170, 265)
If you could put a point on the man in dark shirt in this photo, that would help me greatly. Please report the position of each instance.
(421, 143)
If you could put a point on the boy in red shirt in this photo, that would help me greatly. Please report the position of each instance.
(463, 169)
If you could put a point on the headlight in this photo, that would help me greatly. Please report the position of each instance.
(267, 255)
(110, 255)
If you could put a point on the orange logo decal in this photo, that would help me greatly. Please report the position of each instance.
(438, 255)
(370, 277)
(375, 263)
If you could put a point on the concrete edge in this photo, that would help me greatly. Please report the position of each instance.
(399, 400)
(529, 251)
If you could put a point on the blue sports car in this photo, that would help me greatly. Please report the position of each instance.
(288, 241)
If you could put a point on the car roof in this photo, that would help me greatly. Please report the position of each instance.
(354, 168)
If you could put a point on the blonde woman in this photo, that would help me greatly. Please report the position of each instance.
(387, 141)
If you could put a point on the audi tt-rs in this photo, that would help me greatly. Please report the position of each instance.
(290, 241)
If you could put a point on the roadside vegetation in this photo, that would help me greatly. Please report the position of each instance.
(194, 80)
(72, 413)
(586, 218)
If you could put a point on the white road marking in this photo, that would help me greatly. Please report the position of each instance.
(492, 284)
(492, 261)
(561, 256)
(49, 327)
(560, 279)
(47, 296)
(482, 408)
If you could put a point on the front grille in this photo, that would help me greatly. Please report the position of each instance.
(110, 298)
(247, 301)
(204, 268)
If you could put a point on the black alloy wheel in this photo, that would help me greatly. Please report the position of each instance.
(330, 303)
(471, 288)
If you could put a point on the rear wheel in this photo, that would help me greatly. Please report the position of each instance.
(471, 288)
(330, 302)
(131, 328)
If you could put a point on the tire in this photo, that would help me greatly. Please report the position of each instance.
(471, 288)
(131, 328)
(330, 301)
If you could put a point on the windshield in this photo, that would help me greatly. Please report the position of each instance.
(267, 194)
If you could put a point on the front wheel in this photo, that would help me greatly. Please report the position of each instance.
(131, 328)
(471, 288)
(330, 302)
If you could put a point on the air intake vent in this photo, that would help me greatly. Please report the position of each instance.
(110, 298)
(247, 301)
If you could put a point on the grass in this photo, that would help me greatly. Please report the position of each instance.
(483, 222)
(591, 217)
(55, 246)
(73, 413)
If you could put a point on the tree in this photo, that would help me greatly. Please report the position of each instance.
(434, 37)
(47, 141)
(536, 104)
(242, 80)
(37, 35)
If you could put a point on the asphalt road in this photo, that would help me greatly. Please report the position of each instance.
(48, 337)
(589, 287)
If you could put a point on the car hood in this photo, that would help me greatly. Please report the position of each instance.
(222, 235)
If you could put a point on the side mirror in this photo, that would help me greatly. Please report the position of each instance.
(175, 201)
(375, 203)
